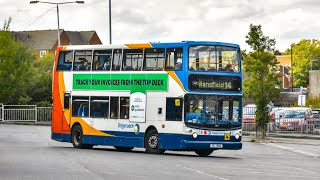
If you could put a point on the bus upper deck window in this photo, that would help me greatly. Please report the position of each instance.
(65, 61)
(132, 60)
(102, 60)
(227, 59)
(202, 58)
(82, 60)
(174, 59)
(116, 62)
(154, 59)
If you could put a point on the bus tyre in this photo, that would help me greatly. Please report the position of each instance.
(76, 138)
(151, 142)
(123, 149)
(204, 152)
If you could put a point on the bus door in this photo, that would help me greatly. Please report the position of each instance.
(174, 109)
(66, 111)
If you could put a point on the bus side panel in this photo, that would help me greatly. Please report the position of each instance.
(125, 139)
(59, 124)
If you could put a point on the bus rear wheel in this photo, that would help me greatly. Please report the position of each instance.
(151, 142)
(77, 138)
(204, 152)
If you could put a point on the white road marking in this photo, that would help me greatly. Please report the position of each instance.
(201, 172)
(292, 150)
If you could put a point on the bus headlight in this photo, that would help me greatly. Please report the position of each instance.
(237, 136)
(194, 135)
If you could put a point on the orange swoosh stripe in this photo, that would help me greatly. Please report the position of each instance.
(174, 76)
(139, 46)
(89, 130)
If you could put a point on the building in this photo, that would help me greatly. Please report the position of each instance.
(285, 69)
(314, 82)
(44, 41)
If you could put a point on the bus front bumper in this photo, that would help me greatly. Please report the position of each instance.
(191, 144)
(187, 142)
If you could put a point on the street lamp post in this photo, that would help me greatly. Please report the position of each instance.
(46, 2)
(110, 22)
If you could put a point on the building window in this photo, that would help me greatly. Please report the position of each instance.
(42, 53)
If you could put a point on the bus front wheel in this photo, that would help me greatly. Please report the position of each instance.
(151, 142)
(203, 152)
(77, 138)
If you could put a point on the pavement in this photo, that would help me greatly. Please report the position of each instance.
(27, 152)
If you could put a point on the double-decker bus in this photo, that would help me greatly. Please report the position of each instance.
(158, 96)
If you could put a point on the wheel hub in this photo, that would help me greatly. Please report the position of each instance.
(153, 141)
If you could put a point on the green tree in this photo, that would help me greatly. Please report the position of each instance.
(16, 69)
(262, 85)
(302, 54)
(313, 101)
(40, 87)
(6, 25)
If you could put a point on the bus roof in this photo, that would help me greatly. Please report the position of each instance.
(149, 45)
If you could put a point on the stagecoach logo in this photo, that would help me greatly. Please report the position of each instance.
(135, 127)
(213, 133)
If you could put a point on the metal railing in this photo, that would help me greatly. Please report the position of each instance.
(44, 115)
(25, 113)
(295, 122)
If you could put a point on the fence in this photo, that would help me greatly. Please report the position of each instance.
(25, 113)
(285, 120)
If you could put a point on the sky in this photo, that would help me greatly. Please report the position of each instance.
(140, 21)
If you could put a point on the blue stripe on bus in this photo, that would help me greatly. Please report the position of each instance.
(187, 43)
(60, 137)
(167, 141)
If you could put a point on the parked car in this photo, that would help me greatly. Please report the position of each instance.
(316, 113)
(296, 119)
(249, 113)
(278, 112)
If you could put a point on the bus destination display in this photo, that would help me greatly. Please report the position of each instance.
(214, 83)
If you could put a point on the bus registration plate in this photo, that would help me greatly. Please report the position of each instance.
(216, 146)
